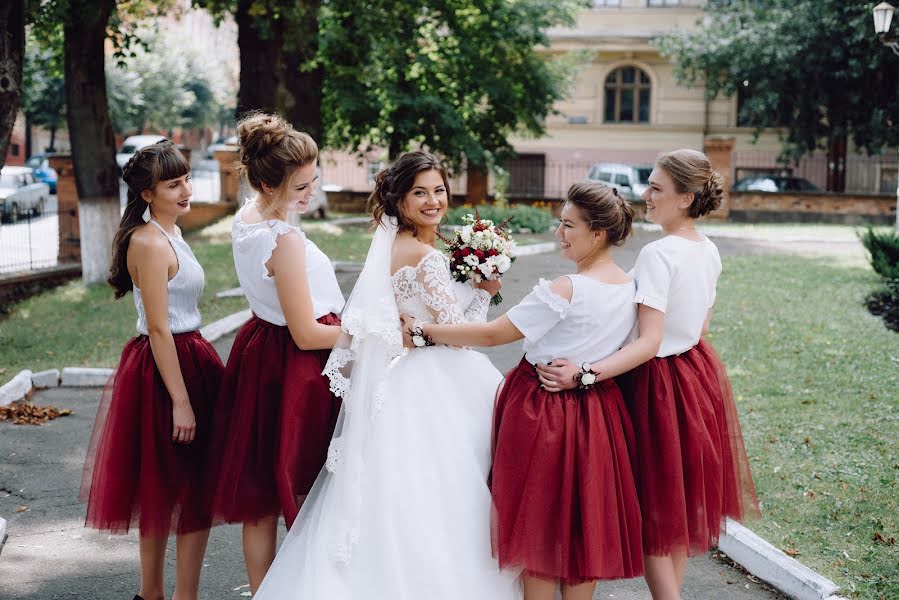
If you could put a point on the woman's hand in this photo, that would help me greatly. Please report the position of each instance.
(407, 324)
(491, 286)
(185, 425)
(558, 375)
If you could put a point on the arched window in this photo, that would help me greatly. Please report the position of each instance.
(627, 96)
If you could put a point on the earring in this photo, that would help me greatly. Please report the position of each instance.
(147, 216)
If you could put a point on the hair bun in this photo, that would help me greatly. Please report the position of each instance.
(712, 193)
(259, 133)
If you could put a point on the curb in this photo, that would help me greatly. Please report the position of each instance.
(530, 250)
(766, 562)
(21, 386)
(2, 533)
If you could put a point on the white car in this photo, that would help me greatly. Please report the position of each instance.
(20, 193)
(630, 181)
(131, 145)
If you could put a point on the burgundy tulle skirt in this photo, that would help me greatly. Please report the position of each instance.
(134, 472)
(272, 426)
(692, 469)
(565, 503)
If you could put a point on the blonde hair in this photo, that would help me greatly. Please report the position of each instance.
(270, 151)
(691, 171)
(604, 209)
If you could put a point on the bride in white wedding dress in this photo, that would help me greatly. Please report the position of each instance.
(402, 510)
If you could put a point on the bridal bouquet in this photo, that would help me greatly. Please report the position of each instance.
(480, 250)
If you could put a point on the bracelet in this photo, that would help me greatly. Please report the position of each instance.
(420, 339)
(586, 377)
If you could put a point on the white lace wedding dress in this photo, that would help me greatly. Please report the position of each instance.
(411, 519)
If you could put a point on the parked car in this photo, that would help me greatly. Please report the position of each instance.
(131, 145)
(20, 193)
(775, 183)
(42, 171)
(221, 144)
(630, 181)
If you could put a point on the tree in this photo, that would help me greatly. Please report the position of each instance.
(44, 100)
(12, 51)
(811, 68)
(457, 76)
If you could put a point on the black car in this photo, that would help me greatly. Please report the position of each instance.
(775, 183)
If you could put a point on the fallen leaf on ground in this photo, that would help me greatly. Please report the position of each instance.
(791, 552)
(878, 537)
(26, 413)
(22, 509)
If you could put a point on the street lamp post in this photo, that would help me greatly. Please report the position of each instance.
(883, 17)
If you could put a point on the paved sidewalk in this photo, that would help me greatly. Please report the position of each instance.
(49, 554)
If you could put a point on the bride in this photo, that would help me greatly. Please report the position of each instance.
(402, 509)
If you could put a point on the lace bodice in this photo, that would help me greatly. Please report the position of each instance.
(428, 293)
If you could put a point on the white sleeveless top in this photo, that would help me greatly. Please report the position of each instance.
(678, 276)
(184, 290)
(253, 244)
(594, 324)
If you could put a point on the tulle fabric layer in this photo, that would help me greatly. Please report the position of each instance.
(272, 425)
(692, 470)
(565, 502)
(134, 472)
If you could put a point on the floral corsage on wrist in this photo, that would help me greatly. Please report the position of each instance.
(420, 339)
(586, 377)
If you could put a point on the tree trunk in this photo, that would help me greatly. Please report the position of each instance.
(304, 87)
(90, 129)
(29, 141)
(12, 54)
(261, 61)
(836, 164)
(52, 147)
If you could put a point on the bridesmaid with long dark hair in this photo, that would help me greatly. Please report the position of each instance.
(146, 458)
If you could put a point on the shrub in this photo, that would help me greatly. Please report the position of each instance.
(522, 218)
(884, 252)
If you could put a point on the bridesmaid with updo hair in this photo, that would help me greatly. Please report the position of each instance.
(276, 412)
(691, 465)
(146, 459)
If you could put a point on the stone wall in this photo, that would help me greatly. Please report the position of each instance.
(818, 207)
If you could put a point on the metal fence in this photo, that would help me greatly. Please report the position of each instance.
(34, 242)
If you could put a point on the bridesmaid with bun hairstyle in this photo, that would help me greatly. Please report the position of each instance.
(146, 460)
(276, 413)
(692, 469)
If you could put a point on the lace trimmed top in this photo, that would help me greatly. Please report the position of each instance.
(184, 290)
(253, 244)
(593, 325)
(428, 293)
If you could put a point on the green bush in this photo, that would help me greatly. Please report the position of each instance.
(522, 218)
(884, 250)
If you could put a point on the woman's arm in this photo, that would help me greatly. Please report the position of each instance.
(151, 257)
(288, 267)
(497, 332)
(560, 375)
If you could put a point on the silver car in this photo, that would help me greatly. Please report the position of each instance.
(21, 194)
(630, 181)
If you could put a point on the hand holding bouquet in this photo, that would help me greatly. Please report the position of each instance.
(480, 250)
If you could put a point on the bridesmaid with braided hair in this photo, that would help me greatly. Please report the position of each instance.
(146, 460)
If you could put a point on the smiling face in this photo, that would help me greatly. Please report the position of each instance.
(424, 205)
(664, 204)
(170, 197)
(299, 188)
(578, 241)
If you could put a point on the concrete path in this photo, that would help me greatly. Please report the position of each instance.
(49, 555)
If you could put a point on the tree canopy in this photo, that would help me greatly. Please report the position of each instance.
(811, 67)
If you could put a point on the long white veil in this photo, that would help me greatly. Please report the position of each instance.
(357, 369)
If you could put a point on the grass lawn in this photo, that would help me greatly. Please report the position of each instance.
(784, 231)
(78, 325)
(817, 384)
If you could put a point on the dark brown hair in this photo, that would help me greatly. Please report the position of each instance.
(604, 209)
(149, 165)
(271, 149)
(691, 171)
(393, 183)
